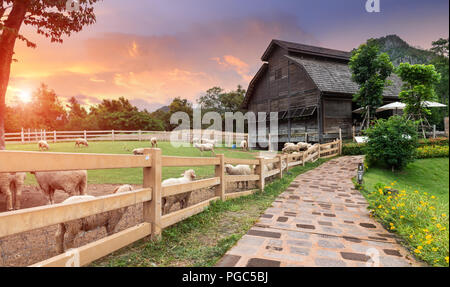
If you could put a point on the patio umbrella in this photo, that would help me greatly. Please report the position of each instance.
(358, 111)
(391, 106)
(433, 105)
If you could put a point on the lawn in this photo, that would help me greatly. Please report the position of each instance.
(132, 175)
(426, 175)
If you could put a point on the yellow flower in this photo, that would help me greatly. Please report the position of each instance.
(444, 215)
(425, 230)
(434, 249)
(411, 236)
(419, 208)
(428, 237)
(446, 259)
(401, 216)
(433, 197)
(417, 251)
(420, 247)
(393, 208)
(392, 227)
(416, 191)
(434, 218)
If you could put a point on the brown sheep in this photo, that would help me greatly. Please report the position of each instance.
(11, 185)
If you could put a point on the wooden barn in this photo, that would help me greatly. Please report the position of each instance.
(311, 90)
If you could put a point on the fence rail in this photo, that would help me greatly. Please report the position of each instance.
(150, 195)
(34, 136)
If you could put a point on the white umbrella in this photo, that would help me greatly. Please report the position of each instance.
(433, 105)
(358, 111)
(392, 106)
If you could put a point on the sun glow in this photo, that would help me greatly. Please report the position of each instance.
(24, 97)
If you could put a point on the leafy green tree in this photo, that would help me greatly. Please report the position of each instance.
(441, 63)
(370, 70)
(216, 99)
(49, 18)
(419, 81)
(179, 105)
(392, 142)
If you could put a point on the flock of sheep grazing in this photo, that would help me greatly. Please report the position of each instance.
(74, 183)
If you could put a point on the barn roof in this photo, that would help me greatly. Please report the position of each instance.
(335, 77)
(305, 49)
(253, 82)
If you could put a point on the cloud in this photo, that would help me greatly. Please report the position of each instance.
(151, 70)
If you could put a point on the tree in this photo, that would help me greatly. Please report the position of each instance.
(370, 70)
(419, 81)
(179, 105)
(216, 99)
(49, 18)
(441, 63)
(392, 142)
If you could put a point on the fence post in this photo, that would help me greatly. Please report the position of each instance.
(85, 135)
(140, 133)
(112, 135)
(305, 154)
(54, 136)
(353, 133)
(220, 172)
(280, 164)
(306, 137)
(340, 141)
(22, 136)
(260, 172)
(434, 131)
(152, 179)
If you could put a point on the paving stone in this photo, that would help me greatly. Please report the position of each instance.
(299, 251)
(298, 235)
(392, 252)
(306, 226)
(264, 233)
(284, 257)
(352, 239)
(328, 262)
(368, 225)
(327, 254)
(299, 243)
(330, 244)
(251, 240)
(355, 256)
(325, 223)
(282, 219)
(258, 262)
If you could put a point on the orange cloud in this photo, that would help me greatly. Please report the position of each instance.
(236, 64)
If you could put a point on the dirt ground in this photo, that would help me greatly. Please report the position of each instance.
(34, 246)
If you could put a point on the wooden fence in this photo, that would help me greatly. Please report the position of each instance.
(33, 136)
(150, 195)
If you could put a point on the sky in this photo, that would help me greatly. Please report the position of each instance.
(151, 51)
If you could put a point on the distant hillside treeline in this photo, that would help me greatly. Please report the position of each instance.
(46, 111)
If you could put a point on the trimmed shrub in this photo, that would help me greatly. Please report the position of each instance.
(433, 142)
(392, 142)
(353, 149)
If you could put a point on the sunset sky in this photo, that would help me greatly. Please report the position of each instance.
(151, 51)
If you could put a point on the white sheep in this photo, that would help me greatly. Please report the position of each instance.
(72, 182)
(11, 185)
(182, 198)
(303, 146)
(241, 169)
(244, 145)
(154, 142)
(204, 147)
(79, 142)
(208, 141)
(109, 220)
(291, 148)
(43, 145)
(138, 151)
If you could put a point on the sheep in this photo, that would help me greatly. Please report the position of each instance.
(138, 151)
(208, 141)
(182, 198)
(71, 182)
(196, 140)
(239, 170)
(154, 142)
(288, 144)
(244, 145)
(11, 185)
(43, 145)
(109, 220)
(291, 148)
(205, 147)
(303, 146)
(79, 142)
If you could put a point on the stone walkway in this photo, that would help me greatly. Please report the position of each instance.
(320, 220)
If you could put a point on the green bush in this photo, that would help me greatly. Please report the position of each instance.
(392, 142)
(432, 151)
(353, 149)
(433, 142)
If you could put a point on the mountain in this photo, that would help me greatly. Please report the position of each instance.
(400, 51)
(164, 109)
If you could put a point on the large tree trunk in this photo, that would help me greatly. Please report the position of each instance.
(7, 42)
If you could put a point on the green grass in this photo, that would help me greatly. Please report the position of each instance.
(132, 175)
(426, 175)
(414, 204)
(203, 239)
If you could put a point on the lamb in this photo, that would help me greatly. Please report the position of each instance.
(71, 182)
(182, 198)
(154, 142)
(239, 170)
(79, 142)
(244, 145)
(138, 151)
(109, 220)
(205, 147)
(43, 145)
(11, 185)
